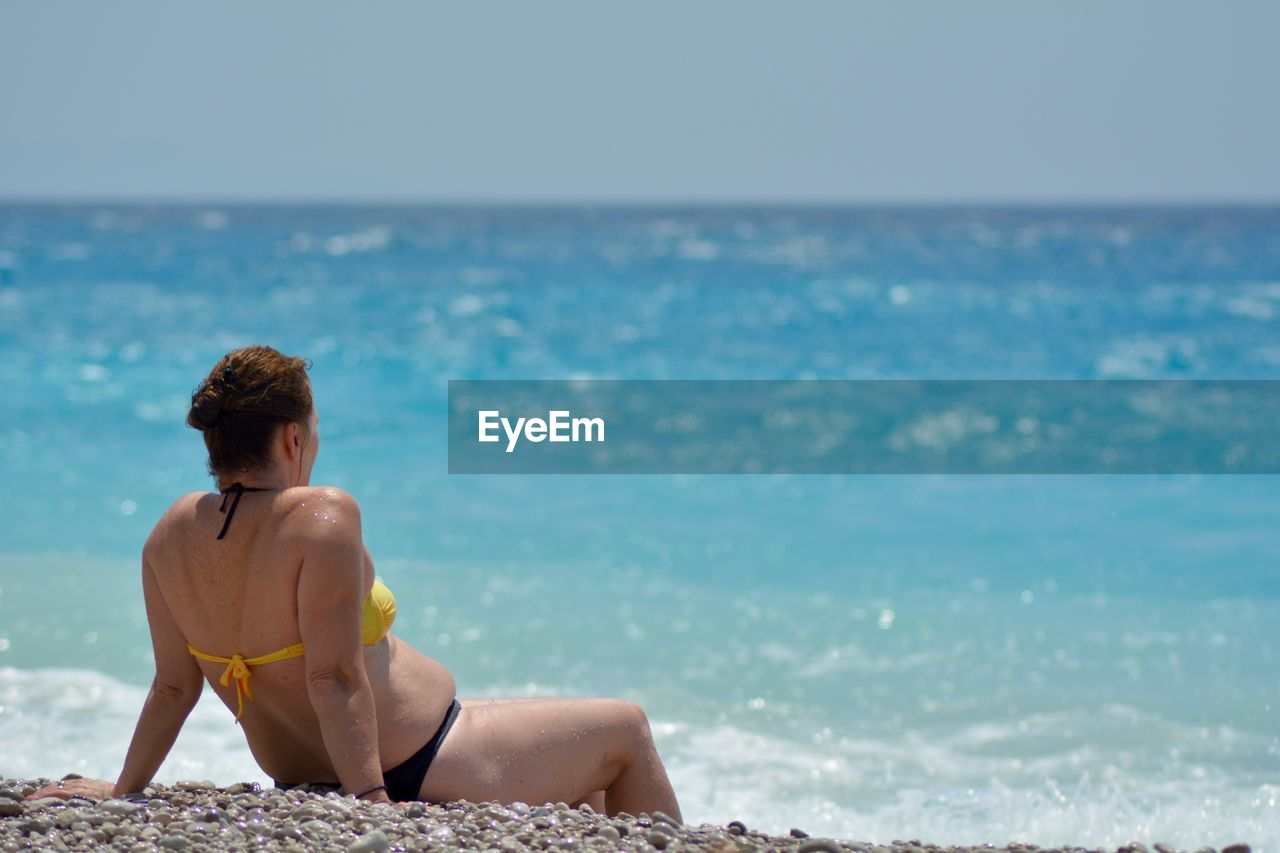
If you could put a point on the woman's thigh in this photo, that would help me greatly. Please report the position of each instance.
(538, 750)
(502, 701)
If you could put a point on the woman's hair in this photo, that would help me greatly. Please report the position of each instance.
(250, 393)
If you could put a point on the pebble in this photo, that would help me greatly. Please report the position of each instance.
(34, 826)
(371, 842)
(819, 845)
(1236, 848)
(119, 808)
(46, 802)
(309, 811)
(658, 839)
(198, 816)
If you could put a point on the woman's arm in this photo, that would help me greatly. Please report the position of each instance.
(174, 691)
(330, 592)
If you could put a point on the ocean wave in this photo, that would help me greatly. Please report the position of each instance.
(55, 721)
(942, 791)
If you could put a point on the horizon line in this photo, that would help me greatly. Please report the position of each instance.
(639, 202)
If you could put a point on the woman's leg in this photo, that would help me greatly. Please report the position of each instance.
(595, 799)
(546, 750)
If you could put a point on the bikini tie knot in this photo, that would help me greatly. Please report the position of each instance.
(238, 669)
(236, 489)
(234, 493)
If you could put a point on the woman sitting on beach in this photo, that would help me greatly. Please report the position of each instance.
(238, 584)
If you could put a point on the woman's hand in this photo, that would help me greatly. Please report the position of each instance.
(90, 789)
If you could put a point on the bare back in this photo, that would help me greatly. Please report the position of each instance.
(239, 595)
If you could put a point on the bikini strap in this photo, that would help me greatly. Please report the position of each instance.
(238, 489)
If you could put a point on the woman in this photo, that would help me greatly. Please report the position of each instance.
(267, 591)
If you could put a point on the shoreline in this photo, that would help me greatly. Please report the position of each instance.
(198, 816)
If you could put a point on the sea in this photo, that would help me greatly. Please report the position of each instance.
(1053, 659)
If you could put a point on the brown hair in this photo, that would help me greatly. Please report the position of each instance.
(250, 393)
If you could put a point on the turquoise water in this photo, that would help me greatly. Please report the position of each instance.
(1069, 659)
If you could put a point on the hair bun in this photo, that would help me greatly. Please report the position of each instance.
(247, 397)
(206, 408)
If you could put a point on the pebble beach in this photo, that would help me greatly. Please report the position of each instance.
(201, 816)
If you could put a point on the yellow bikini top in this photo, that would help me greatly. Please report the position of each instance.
(379, 611)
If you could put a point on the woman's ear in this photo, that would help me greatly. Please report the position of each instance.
(292, 441)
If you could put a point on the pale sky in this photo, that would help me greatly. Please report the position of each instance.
(691, 100)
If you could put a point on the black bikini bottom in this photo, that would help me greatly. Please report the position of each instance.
(404, 781)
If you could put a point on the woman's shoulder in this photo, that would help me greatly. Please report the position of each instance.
(293, 501)
(182, 507)
(291, 498)
(322, 510)
(305, 512)
(318, 497)
(168, 528)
